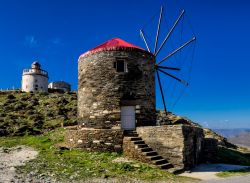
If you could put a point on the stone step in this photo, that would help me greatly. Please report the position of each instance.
(150, 153)
(146, 149)
(166, 166)
(152, 158)
(135, 138)
(141, 145)
(139, 142)
(160, 162)
(131, 134)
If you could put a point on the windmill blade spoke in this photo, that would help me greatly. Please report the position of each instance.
(178, 49)
(170, 75)
(170, 32)
(162, 94)
(144, 39)
(158, 30)
(170, 68)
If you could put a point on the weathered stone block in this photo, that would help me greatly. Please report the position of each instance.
(95, 139)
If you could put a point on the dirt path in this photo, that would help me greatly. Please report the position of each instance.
(11, 158)
(238, 179)
(208, 172)
(18, 156)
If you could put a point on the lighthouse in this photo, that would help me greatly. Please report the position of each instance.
(35, 79)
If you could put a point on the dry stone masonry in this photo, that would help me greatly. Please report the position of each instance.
(118, 74)
(103, 90)
(94, 139)
(181, 145)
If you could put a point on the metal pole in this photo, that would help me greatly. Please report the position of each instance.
(170, 68)
(144, 39)
(158, 30)
(180, 80)
(171, 30)
(178, 49)
(162, 95)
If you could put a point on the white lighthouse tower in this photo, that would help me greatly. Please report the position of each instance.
(35, 79)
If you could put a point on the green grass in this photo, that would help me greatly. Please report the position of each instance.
(244, 171)
(241, 156)
(68, 165)
(232, 156)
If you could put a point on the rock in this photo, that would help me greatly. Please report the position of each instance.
(105, 176)
(6, 150)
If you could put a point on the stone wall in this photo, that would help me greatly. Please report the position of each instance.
(210, 149)
(181, 145)
(102, 140)
(102, 90)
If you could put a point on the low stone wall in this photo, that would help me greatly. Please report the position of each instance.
(181, 145)
(102, 140)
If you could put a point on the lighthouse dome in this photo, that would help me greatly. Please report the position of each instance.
(35, 65)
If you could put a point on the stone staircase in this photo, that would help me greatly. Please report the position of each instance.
(143, 152)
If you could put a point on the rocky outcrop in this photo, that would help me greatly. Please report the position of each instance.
(171, 118)
(222, 141)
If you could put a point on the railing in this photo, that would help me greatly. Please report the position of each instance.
(36, 71)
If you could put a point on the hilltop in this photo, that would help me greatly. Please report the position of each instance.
(34, 113)
(28, 114)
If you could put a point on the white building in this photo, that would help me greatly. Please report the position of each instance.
(60, 85)
(35, 79)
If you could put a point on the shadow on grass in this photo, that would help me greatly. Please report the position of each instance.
(243, 171)
(231, 156)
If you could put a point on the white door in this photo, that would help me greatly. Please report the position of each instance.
(128, 117)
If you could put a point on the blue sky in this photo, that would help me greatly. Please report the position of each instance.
(57, 32)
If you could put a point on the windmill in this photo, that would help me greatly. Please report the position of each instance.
(159, 68)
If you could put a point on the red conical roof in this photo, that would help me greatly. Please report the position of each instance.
(111, 45)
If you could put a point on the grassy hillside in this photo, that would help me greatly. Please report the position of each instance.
(29, 114)
(65, 165)
(238, 156)
(32, 113)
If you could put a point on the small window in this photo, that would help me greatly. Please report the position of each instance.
(36, 86)
(36, 80)
(120, 65)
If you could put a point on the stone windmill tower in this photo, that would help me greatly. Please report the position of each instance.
(35, 79)
(116, 86)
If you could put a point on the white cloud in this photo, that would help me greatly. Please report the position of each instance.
(56, 41)
(30, 41)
